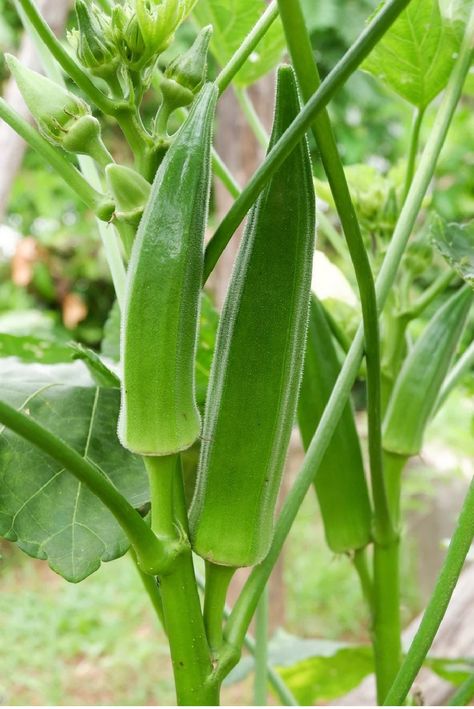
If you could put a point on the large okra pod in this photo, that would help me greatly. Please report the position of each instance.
(339, 481)
(159, 413)
(417, 387)
(258, 361)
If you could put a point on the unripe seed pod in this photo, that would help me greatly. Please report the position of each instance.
(159, 415)
(190, 69)
(54, 109)
(257, 363)
(418, 384)
(339, 481)
(130, 191)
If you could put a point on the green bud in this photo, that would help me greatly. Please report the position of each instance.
(190, 69)
(159, 19)
(55, 110)
(175, 95)
(128, 38)
(93, 46)
(130, 191)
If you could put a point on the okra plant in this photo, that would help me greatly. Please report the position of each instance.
(92, 452)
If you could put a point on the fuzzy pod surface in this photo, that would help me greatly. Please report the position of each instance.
(159, 415)
(258, 360)
(339, 481)
(417, 387)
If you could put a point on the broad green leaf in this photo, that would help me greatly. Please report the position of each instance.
(315, 670)
(456, 243)
(416, 55)
(232, 20)
(34, 349)
(102, 375)
(43, 508)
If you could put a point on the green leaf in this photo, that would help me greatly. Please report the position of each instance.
(34, 349)
(102, 375)
(232, 20)
(416, 55)
(43, 508)
(315, 670)
(456, 243)
(324, 678)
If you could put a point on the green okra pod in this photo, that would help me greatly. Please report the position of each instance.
(159, 415)
(417, 387)
(258, 361)
(339, 481)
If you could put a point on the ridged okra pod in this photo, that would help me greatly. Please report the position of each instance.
(417, 387)
(339, 481)
(258, 360)
(159, 414)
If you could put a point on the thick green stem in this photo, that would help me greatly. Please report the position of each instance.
(244, 609)
(413, 150)
(162, 471)
(458, 550)
(365, 579)
(217, 584)
(292, 136)
(464, 694)
(386, 616)
(247, 46)
(261, 651)
(190, 654)
(55, 157)
(252, 117)
(151, 553)
(307, 73)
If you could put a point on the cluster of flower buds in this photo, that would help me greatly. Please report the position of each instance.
(134, 34)
(62, 118)
(92, 41)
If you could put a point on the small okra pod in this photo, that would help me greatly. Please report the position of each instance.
(417, 387)
(340, 480)
(257, 364)
(159, 415)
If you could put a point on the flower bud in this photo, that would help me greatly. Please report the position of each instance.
(128, 38)
(159, 19)
(54, 109)
(190, 69)
(130, 191)
(93, 47)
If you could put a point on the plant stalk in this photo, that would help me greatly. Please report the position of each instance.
(413, 149)
(247, 46)
(261, 651)
(458, 550)
(217, 584)
(252, 117)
